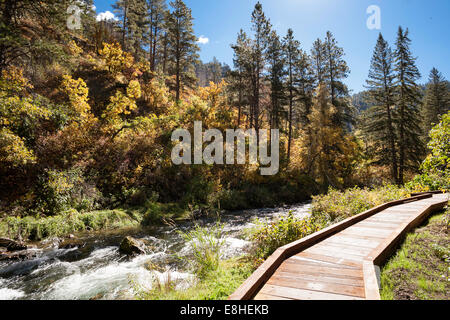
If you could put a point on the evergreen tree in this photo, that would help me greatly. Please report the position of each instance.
(182, 47)
(336, 70)
(437, 99)
(408, 97)
(240, 77)
(133, 24)
(156, 14)
(318, 61)
(292, 53)
(275, 58)
(304, 82)
(261, 27)
(121, 8)
(215, 70)
(380, 124)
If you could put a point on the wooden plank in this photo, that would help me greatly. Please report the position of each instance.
(322, 277)
(337, 254)
(311, 262)
(354, 241)
(302, 244)
(400, 212)
(345, 248)
(371, 289)
(317, 286)
(388, 220)
(376, 220)
(369, 231)
(301, 294)
(407, 206)
(319, 257)
(268, 297)
(297, 267)
(377, 224)
(396, 214)
(361, 236)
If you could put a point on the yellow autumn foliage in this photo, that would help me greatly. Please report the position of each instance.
(13, 151)
(115, 59)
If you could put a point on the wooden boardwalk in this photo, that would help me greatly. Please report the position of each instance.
(339, 262)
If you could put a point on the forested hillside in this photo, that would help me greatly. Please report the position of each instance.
(86, 115)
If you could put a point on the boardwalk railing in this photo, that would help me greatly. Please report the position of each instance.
(257, 280)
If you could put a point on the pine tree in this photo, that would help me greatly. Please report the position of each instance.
(133, 24)
(336, 70)
(292, 53)
(156, 14)
(408, 97)
(380, 124)
(261, 27)
(304, 82)
(318, 61)
(276, 61)
(215, 70)
(182, 47)
(243, 72)
(436, 101)
(121, 8)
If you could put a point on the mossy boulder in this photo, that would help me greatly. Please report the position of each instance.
(131, 246)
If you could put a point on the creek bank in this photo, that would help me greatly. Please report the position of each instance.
(11, 250)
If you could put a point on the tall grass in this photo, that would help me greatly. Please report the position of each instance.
(206, 245)
(216, 285)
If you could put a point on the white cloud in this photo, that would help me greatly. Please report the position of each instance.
(203, 40)
(107, 15)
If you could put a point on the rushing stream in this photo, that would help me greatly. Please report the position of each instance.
(94, 269)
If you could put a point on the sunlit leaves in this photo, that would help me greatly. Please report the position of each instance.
(78, 93)
(115, 59)
(74, 49)
(13, 151)
(13, 82)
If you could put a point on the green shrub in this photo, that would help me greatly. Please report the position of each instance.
(198, 190)
(428, 182)
(338, 205)
(59, 191)
(227, 199)
(436, 167)
(267, 237)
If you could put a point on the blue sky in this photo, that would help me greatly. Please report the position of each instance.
(427, 20)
